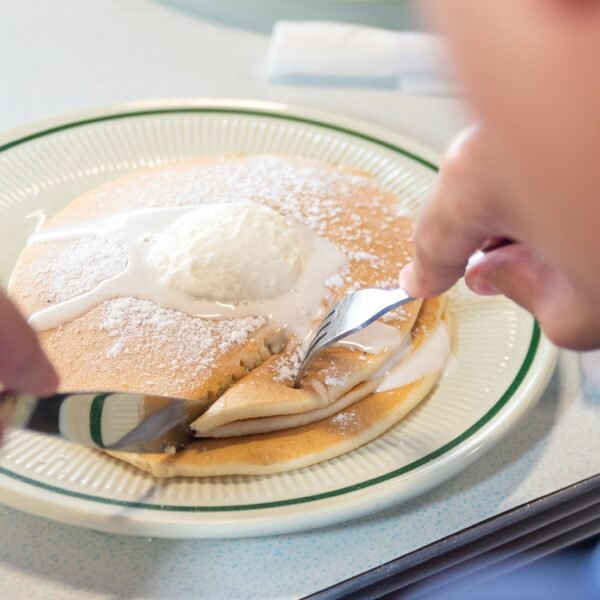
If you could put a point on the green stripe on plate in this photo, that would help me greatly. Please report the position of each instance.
(96, 419)
(236, 111)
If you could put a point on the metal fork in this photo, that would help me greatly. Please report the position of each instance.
(351, 314)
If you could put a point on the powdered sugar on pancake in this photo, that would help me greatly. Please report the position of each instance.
(66, 270)
(286, 367)
(194, 345)
(346, 422)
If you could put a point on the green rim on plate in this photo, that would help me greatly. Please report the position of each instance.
(503, 400)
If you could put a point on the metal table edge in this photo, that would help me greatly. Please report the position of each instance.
(524, 533)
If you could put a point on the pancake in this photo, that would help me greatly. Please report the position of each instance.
(238, 371)
(297, 447)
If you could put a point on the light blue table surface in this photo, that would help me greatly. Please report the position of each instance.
(67, 54)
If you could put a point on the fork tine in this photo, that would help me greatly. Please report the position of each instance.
(352, 313)
(326, 321)
(322, 329)
(323, 324)
(311, 349)
(302, 370)
(316, 343)
(314, 347)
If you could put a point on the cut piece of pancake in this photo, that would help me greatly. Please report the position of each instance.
(429, 318)
(131, 344)
(291, 448)
(269, 391)
(288, 421)
(304, 445)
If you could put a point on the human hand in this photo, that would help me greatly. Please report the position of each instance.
(470, 209)
(23, 365)
(531, 71)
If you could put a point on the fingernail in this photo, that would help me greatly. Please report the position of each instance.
(483, 287)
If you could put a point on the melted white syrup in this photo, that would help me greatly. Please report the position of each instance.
(431, 357)
(135, 232)
(374, 339)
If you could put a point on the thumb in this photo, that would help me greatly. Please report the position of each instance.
(524, 277)
(23, 365)
(513, 271)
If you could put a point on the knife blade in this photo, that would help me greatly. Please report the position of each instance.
(123, 421)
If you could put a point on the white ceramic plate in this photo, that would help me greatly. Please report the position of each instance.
(503, 361)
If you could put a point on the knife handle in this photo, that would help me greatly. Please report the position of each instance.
(104, 420)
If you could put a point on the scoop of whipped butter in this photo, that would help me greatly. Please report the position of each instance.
(229, 252)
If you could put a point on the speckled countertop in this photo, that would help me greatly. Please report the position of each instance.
(66, 55)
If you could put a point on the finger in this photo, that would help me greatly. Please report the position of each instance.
(518, 273)
(458, 217)
(23, 365)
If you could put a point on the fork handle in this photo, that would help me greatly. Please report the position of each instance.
(398, 297)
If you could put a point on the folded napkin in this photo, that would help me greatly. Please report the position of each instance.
(321, 52)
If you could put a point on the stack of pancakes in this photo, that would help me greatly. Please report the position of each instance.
(246, 414)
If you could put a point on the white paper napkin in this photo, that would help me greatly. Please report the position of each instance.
(321, 52)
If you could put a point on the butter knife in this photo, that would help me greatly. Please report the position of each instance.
(126, 422)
